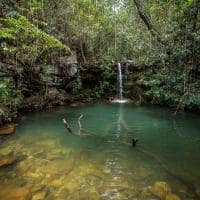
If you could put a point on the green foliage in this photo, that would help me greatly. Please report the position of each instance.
(167, 87)
(105, 31)
(107, 75)
(25, 40)
(76, 85)
(9, 95)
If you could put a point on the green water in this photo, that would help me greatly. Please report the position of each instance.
(103, 165)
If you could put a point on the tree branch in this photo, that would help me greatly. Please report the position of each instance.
(68, 127)
(147, 21)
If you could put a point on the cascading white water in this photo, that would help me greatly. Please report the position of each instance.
(120, 86)
(120, 81)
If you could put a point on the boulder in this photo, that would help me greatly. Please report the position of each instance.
(161, 189)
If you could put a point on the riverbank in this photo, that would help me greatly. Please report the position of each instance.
(99, 84)
(39, 103)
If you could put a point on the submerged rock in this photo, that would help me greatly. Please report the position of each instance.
(7, 150)
(172, 197)
(72, 184)
(15, 193)
(24, 166)
(57, 167)
(57, 183)
(147, 194)
(39, 195)
(7, 161)
(161, 189)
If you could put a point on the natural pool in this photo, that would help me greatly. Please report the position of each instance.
(52, 164)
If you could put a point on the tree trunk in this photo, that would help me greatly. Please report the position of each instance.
(144, 15)
(147, 21)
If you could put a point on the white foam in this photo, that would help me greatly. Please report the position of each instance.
(121, 101)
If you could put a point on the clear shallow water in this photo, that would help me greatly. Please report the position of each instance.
(57, 165)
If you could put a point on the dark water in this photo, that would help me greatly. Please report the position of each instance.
(54, 164)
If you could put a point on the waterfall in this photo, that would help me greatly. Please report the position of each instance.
(120, 81)
(120, 86)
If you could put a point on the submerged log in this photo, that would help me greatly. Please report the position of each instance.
(81, 131)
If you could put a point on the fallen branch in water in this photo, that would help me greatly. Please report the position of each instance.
(81, 131)
(67, 126)
(79, 123)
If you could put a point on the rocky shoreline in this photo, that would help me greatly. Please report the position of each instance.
(38, 103)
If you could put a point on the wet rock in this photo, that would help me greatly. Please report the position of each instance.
(15, 193)
(161, 189)
(7, 162)
(7, 129)
(77, 104)
(172, 197)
